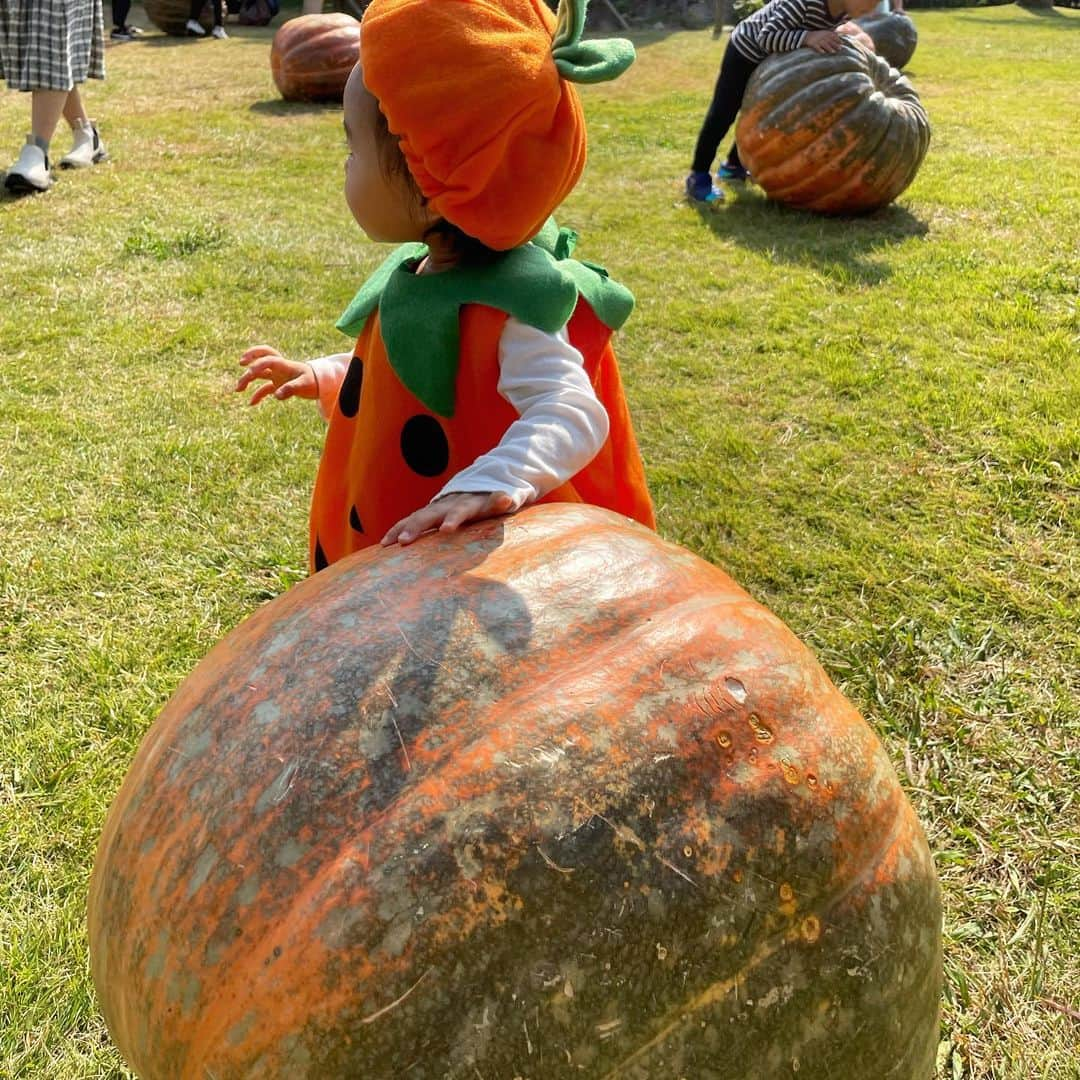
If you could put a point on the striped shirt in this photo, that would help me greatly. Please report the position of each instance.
(781, 25)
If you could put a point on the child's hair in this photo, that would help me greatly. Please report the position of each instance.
(469, 250)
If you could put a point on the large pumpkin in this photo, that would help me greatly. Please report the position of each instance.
(312, 55)
(894, 36)
(172, 15)
(546, 798)
(834, 132)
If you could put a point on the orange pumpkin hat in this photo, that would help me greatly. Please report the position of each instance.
(478, 93)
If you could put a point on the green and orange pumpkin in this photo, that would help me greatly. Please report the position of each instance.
(894, 36)
(549, 797)
(837, 133)
(312, 55)
(171, 16)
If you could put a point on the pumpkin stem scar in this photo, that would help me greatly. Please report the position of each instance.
(397, 1001)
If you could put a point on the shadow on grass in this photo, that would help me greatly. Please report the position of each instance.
(842, 247)
(280, 107)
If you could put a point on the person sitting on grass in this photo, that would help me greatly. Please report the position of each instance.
(780, 26)
(483, 378)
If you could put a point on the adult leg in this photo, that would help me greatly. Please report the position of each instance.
(735, 72)
(120, 9)
(31, 171)
(74, 110)
(46, 107)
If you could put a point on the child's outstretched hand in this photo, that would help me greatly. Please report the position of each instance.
(824, 41)
(448, 514)
(285, 378)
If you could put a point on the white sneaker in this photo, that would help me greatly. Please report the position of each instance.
(219, 33)
(88, 149)
(194, 27)
(31, 171)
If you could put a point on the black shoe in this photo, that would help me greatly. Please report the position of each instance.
(125, 33)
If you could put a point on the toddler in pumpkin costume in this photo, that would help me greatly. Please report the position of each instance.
(483, 377)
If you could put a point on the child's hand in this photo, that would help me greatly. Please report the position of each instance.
(447, 514)
(285, 378)
(853, 30)
(824, 41)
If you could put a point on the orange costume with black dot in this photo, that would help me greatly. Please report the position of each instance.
(389, 450)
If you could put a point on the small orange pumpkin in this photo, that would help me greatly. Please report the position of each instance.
(839, 133)
(172, 15)
(312, 55)
(546, 797)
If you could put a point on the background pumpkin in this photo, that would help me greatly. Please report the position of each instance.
(894, 36)
(171, 15)
(837, 133)
(548, 797)
(312, 55)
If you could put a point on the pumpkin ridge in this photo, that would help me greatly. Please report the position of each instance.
(823, 165)
(855, 177)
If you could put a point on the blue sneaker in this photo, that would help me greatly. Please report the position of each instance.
(733, 172)
(699, 188)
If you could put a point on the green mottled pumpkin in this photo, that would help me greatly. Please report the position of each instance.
(172, 15)
(837, 133)
(311, 56)
(894, 36)
(546, 798)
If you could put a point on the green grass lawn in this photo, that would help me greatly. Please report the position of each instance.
(873, 425)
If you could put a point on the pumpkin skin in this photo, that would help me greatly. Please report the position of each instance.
(548, 797)
(312, 55)
(894, 37)
(837, 133)
(171, 15)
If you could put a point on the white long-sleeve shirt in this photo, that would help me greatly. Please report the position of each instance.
(561, 427)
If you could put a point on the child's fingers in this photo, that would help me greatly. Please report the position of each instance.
(257, 352)
(262, 392)
(256, 371)
(474, 508)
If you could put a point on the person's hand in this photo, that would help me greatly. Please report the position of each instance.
(823, 41)
(448, 514)
(853, 30)
(285, 378)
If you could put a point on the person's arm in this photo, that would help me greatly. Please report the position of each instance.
(562, 426)
(782, 28)
(314, 379)
(330, 373)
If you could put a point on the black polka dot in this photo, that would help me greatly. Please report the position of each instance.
(424, 446)
(321, 561)
(349, 396)
(354, 520)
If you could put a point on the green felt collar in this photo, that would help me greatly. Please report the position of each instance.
(537, 283)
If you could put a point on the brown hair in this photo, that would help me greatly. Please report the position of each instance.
(469, 250)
